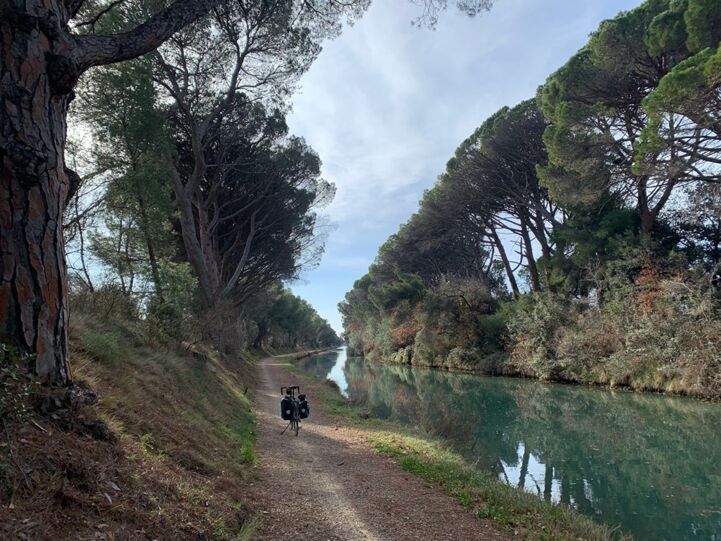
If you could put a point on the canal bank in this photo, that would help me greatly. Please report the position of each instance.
(649, 463)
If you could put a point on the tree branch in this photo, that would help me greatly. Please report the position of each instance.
(97, 50)
(244, 258)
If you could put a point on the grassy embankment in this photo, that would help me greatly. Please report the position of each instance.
(523, 514)
(174, 461)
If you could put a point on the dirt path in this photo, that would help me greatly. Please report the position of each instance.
(328, 484)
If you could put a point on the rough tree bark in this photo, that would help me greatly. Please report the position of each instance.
(40, 62)
(34, 188)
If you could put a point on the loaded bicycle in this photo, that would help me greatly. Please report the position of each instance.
(293, 408)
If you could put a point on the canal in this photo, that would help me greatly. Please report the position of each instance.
(648, 463)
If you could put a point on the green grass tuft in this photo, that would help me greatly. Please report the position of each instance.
(522, 513)
(105, 347)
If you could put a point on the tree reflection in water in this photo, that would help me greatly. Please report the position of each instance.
(649, 463)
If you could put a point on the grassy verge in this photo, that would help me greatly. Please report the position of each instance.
(193, 405)
(523, 514)
(166, 452)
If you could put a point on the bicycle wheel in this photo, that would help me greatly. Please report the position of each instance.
(296, 426)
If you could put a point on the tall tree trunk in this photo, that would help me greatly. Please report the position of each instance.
(81, 237)
(532, 268)
(503, 471)
(152, 257)
(189, 234)
(34, 188)
(644, 211)
(565, 490)
(506, 262)
(548, 483)
(210, 252)
(524, 468)
(154, 268)
(537, 225)
(540, 232)
(647, 222)
(40, 62)
(262, 333)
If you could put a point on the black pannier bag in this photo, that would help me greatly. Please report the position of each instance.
(303, 407)
(286, 408)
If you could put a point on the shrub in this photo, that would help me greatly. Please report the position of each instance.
(662, 334)
(492, 331)
(533, 325)
(103, 346)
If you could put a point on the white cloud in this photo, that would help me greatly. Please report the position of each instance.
(386, 104)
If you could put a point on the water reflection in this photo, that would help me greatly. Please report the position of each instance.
(330, 365)
(649, 463)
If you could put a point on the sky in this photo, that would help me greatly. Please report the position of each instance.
(386, 104)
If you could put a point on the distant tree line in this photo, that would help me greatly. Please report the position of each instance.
(565, 229)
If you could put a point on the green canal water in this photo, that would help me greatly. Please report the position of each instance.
(650, 464)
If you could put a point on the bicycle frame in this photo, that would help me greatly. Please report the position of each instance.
(294, 423)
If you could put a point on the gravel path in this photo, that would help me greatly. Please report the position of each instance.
(329, 484)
